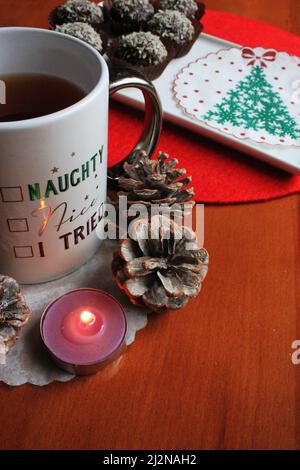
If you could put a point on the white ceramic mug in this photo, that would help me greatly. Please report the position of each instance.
(47, 230)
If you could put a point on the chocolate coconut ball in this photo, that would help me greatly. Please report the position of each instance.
(142, 52)
(82, 31)
(81, 11)
(130, 15)
(187, 7)
(141, 49)
(172, 26)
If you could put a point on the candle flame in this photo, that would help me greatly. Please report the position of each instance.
(45, 213)
(87, 317)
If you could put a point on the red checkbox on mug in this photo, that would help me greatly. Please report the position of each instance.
(23, 252)
(17, 225)
(11, 194)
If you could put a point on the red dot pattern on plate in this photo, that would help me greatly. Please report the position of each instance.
(298, 65)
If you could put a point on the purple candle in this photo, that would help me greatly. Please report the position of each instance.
(84, 330)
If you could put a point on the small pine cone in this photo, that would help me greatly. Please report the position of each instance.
(148, 181)
(163, 270)
(14, 313)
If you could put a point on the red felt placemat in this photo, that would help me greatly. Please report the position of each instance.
(220, 174)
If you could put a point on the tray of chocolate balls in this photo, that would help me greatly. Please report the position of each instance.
(205, 83)
(143, 35)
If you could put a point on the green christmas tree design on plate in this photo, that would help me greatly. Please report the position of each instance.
(253, 104)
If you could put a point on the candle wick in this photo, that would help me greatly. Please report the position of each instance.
(87, 318)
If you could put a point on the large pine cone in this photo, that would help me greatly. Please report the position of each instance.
(147, 181)
(161, 272)
(14, 312)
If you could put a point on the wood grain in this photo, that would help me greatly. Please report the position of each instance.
(216, 375)
(283, 13)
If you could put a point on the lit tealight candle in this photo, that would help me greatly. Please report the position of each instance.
(84, 330)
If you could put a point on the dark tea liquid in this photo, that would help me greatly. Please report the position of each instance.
(33, 95)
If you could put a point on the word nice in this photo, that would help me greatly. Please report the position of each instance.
(61, 184)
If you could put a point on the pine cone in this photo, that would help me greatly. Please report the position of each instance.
(163, 271)
(14, 312)
(147, 181)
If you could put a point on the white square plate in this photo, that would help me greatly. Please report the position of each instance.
(285, 157)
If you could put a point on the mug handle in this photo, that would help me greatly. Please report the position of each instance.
(148, 140)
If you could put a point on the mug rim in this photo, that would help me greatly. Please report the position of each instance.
(65, 112)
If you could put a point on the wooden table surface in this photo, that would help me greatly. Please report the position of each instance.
(216, 375)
